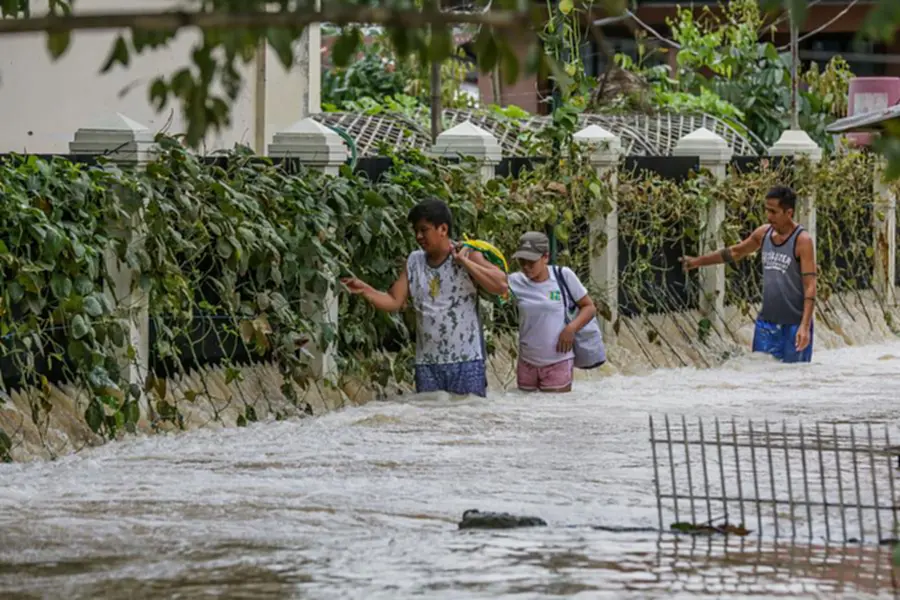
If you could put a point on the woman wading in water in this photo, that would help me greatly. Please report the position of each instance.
(547, 337)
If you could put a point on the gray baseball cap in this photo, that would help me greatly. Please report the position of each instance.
(532, 246)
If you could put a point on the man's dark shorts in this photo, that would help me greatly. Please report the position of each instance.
(456, 378)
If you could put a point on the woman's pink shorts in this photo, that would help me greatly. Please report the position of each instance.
(551, 378)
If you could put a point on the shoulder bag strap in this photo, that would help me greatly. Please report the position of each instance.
(564, 290)
(563, 286)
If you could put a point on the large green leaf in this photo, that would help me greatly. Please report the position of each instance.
(58, 43)
(61, 286)
(16, 292)
(93, 307)
(94, 415)
(80, 327)
(83, 285)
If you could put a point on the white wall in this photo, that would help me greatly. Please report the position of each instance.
(43, 103)
(295, 94)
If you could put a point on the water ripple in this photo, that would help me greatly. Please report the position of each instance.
(363, 503)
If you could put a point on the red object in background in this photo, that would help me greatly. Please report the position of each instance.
(868, 94)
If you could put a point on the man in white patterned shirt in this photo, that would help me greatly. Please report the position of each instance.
(443, 280)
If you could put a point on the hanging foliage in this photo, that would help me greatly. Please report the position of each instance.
(234, 257)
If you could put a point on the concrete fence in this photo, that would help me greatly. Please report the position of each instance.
(130, 143)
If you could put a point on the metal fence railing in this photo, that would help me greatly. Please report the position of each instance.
(831, 481)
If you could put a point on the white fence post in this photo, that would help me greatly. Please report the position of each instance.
(313, 144)
(320, 148)
(714, 154)
(470, 141)
(605, 153)
(885, 235)
(131, 145)
(797, 143)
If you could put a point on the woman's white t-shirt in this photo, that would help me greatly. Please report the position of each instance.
(542, 315)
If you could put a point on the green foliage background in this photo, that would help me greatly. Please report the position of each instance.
(726, 68)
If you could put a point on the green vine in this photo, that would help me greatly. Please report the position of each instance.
(233, 257)
(55, 220)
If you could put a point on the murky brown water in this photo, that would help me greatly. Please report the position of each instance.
(364, 503)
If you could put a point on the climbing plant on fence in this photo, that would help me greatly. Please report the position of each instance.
(237, 256)
(659, 221)
(55, 220)
(844, 194)
(234, 256)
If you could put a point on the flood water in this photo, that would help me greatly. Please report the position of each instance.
(364, 503)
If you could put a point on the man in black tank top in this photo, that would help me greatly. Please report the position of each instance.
(784, 326)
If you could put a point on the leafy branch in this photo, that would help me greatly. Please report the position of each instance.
(172, 21)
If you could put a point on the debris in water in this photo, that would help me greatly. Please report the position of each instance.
(708, 529)
(475, 519)
(624, 529)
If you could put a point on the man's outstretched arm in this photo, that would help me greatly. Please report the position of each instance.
(730, 254)
(391, 301)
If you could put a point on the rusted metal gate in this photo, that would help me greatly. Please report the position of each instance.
(831, 481)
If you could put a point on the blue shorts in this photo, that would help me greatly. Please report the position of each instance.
(456, 378)
(780, 341)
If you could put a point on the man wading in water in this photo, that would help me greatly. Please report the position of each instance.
(784, 326)
(443, 280)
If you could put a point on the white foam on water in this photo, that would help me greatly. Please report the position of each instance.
(363, 502)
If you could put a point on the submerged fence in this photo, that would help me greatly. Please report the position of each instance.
(831, 481)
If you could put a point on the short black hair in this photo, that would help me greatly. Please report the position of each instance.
(434, 211)
(785, 196)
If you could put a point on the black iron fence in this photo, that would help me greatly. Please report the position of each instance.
(668, 285)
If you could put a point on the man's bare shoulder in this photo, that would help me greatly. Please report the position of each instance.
(758, 235)
(804, 242)
(760, 232)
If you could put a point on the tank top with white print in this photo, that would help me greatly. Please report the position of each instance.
(448, 327)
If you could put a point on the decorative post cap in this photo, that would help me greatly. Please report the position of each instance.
(708, 146)
(311, 142)
(116, 136)
(468, 140)
(607, 147)
(796, 142)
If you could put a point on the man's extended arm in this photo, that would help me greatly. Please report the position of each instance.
(729, 254)
(391, 301)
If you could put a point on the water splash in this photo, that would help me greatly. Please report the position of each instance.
(364, 502)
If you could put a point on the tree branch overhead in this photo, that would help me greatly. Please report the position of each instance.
(338, 15)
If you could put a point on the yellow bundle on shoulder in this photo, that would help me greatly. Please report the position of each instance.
(493, 256)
